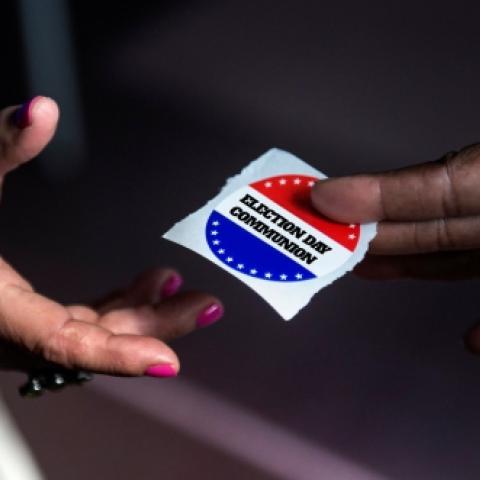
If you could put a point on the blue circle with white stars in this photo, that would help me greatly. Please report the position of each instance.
(243, 252)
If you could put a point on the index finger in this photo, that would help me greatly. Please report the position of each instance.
(445, 188)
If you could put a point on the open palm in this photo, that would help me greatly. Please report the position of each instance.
(123, 335)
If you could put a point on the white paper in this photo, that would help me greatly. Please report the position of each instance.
(261, 228)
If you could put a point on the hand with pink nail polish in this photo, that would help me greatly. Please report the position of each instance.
(124, 334)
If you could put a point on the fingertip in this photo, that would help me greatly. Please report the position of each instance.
(21, 117)
(172, 360)
(348, 199)
(154, 285)
(25, 130)
(171, 285)
(210, 314)
(207, 309)
(122, 354)
(161, 371)
(187, 303)
(152, 352)
(39, 110)
(166, 366)
(44, 110)
(186, 312)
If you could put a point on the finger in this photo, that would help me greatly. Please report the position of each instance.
(430, 266)
(429, 236)
(424, 192)
(172, 318)
(25, 131)
(148, 288)
(46, 328)
(152, 286)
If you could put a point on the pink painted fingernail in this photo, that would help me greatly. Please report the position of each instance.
(171, 286)
(161, 371)
(210, 315)
(22, 117)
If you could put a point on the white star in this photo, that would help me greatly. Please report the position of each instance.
(268, 184)
(268, 275)
(282, 181)
(352, 236)
(298, 276)
(221, 251)
(240, 266)
(214, 232)
(311, 183)
(216, 242)
(297, 181)
(253, 271)
(215, 223)
(283, 276)
(352, 225)
(229, 259)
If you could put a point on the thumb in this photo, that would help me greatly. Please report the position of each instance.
(444, 188)
(25, 130)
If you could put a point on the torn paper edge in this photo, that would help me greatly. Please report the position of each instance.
(286, 299)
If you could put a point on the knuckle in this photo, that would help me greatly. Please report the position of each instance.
(382, 195)
(450, 197)
(68, 344)
(458, 178)
(433, 236)
(416, 237)
(443, 236)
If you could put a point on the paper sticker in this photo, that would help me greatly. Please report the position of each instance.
(263, 229)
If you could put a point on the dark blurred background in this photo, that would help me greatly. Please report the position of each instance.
(161, 102)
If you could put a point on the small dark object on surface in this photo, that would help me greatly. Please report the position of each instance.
(52, 379)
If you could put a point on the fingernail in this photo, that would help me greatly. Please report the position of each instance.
(22, 117)
(210, 315)
(171, 286)
(161, 371)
